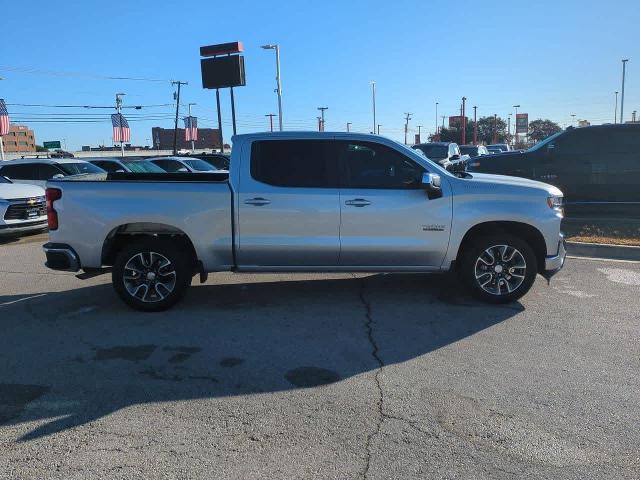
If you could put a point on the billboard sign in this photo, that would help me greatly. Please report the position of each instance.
(522, 123)
(456, 121)
(222, 72)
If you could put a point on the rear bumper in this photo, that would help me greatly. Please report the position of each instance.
(61, 257)
(554, 263)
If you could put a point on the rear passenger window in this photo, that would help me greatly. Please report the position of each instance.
(293, 163)
(20, 172)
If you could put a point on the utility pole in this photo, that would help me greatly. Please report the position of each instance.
(379, 129)
(464, 121)
(119, 109)
(322, 109)
(348, 125)
(419, 136)
(633, 116)
(495, 128)
(475, 125)
(319, 124)
(443, 117)
(193, 146)
(437, 128)
(175, 127)
(270, 115)
(615, 112)
(624, 70)
(573, 118)
(406, 125)
(508, 125)
(373, 98)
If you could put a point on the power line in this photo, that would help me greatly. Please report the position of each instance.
(37, 71)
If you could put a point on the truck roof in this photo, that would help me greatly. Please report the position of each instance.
(306, 135)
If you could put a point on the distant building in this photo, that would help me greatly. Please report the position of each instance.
(19, 139)
(584, 123)
(208, 138)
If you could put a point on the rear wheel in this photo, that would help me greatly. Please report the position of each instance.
(498, 268)
(151, 274)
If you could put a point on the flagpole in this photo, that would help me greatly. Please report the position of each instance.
(193, 148)
(118, 103)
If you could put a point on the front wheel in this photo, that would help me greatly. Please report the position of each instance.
(151, 274)
(498, 268)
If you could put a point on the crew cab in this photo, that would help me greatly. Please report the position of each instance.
(305, 202)
(600, 163)
(22, 208)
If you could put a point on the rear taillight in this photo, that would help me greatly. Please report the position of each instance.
(53, 194)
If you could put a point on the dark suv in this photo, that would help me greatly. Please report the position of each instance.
(589, 164)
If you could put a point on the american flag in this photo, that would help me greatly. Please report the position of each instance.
(121, 132)
(190, 128)
(4, 118)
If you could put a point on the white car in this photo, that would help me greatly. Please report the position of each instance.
(37, 171)
(22, 208)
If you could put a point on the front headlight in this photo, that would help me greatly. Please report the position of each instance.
(555, 202)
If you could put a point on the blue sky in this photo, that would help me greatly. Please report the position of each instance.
(553, 58)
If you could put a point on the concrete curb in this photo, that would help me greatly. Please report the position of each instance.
(602, 250)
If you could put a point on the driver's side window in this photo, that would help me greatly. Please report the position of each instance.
(376, 166)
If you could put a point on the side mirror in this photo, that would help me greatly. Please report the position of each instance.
(183, 170)
(431, 184)
(120, 171)
(57, 175)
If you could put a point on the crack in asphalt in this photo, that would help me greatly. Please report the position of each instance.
(375, 354)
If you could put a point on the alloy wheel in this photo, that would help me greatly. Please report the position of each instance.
(500, 269)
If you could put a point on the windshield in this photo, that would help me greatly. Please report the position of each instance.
(142, 167)
(414, 152)
(4, 180)
(437, 152)
(469, 150)
(80, 167)
(542, 143)
(200, 165)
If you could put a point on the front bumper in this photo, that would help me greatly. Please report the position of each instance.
(23, 227)
(61, 257)
(554, 263)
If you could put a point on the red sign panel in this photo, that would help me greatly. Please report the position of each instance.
(455, 121)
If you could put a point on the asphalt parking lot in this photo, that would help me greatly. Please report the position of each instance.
(319, 376)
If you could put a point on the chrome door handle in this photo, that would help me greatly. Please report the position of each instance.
(258, 201)
(358, 202)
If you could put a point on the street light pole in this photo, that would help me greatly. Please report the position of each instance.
(379, 129)
(573, 118)
(464, 121)
(419, 136)
(515, 129)
(348, 125)
(373, 99)
(276, 47)
(615, 112)
(624, 70)
(437, 128)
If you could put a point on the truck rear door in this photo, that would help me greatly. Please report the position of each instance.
(288, 205)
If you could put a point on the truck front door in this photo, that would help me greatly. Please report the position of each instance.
(288, 205)
(387, 219)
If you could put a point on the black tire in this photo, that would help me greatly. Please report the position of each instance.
(504, 282)
(149, 256)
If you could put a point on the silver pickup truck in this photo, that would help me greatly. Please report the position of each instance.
(306, 202)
